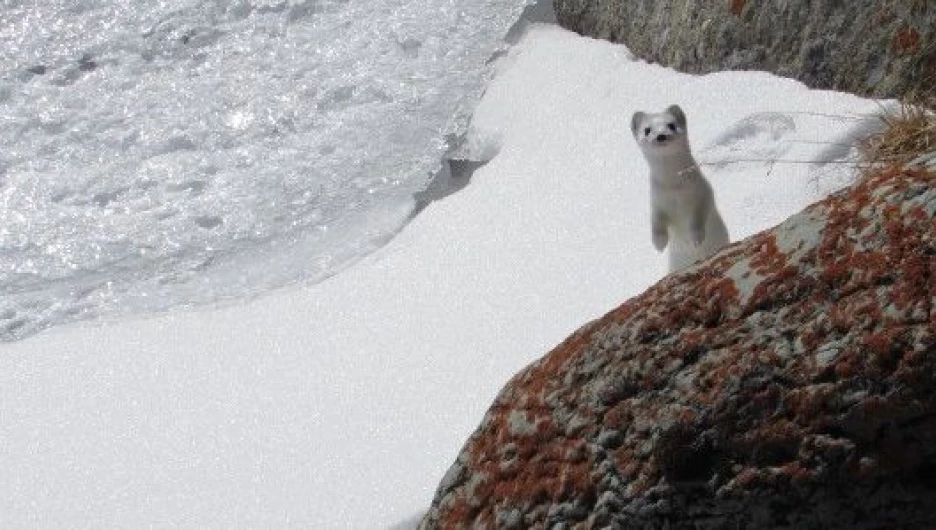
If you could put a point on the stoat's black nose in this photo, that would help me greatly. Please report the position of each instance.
(661, 137)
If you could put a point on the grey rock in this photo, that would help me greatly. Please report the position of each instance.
(869, 47)
(788, 385)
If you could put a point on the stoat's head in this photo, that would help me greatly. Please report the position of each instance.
(662, 133)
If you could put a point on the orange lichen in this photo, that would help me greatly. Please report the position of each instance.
(907, 40)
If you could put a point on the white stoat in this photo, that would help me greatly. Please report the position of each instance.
(681, 199)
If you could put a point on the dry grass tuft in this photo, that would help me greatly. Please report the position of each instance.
(908, 132)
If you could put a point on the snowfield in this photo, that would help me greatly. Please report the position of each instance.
(341, 404)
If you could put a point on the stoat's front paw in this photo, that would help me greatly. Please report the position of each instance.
(698, 235)
(660, 239)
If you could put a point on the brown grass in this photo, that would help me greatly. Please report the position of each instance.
(908, 132)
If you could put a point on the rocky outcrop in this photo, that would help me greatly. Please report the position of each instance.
(870, 47)
(788, 382)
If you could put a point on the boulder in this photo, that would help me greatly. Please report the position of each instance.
(787, 382)
(869, 47)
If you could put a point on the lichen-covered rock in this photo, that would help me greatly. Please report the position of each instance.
(869, 47)
(788, 382)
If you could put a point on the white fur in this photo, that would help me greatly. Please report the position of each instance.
(682, 201)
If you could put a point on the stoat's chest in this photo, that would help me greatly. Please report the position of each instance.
(675, 197)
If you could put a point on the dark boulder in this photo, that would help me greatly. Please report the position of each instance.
(788, 382)
(869, 47)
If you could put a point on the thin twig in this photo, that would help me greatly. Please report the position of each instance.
(806, 142)
(778, 161)
(860, 117)
(819, 142)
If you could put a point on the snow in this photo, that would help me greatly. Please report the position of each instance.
(341, 404)
(157, 153)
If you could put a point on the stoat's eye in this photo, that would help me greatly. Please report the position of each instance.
(647, 131)
(672, 126)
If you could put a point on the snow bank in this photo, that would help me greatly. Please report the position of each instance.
(174, 152)
(341, 404)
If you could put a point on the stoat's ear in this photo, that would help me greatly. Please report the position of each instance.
(636, 121)
(678, 114)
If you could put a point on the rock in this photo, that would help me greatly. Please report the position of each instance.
(788, 382)
(926, 160)
(873, 48)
